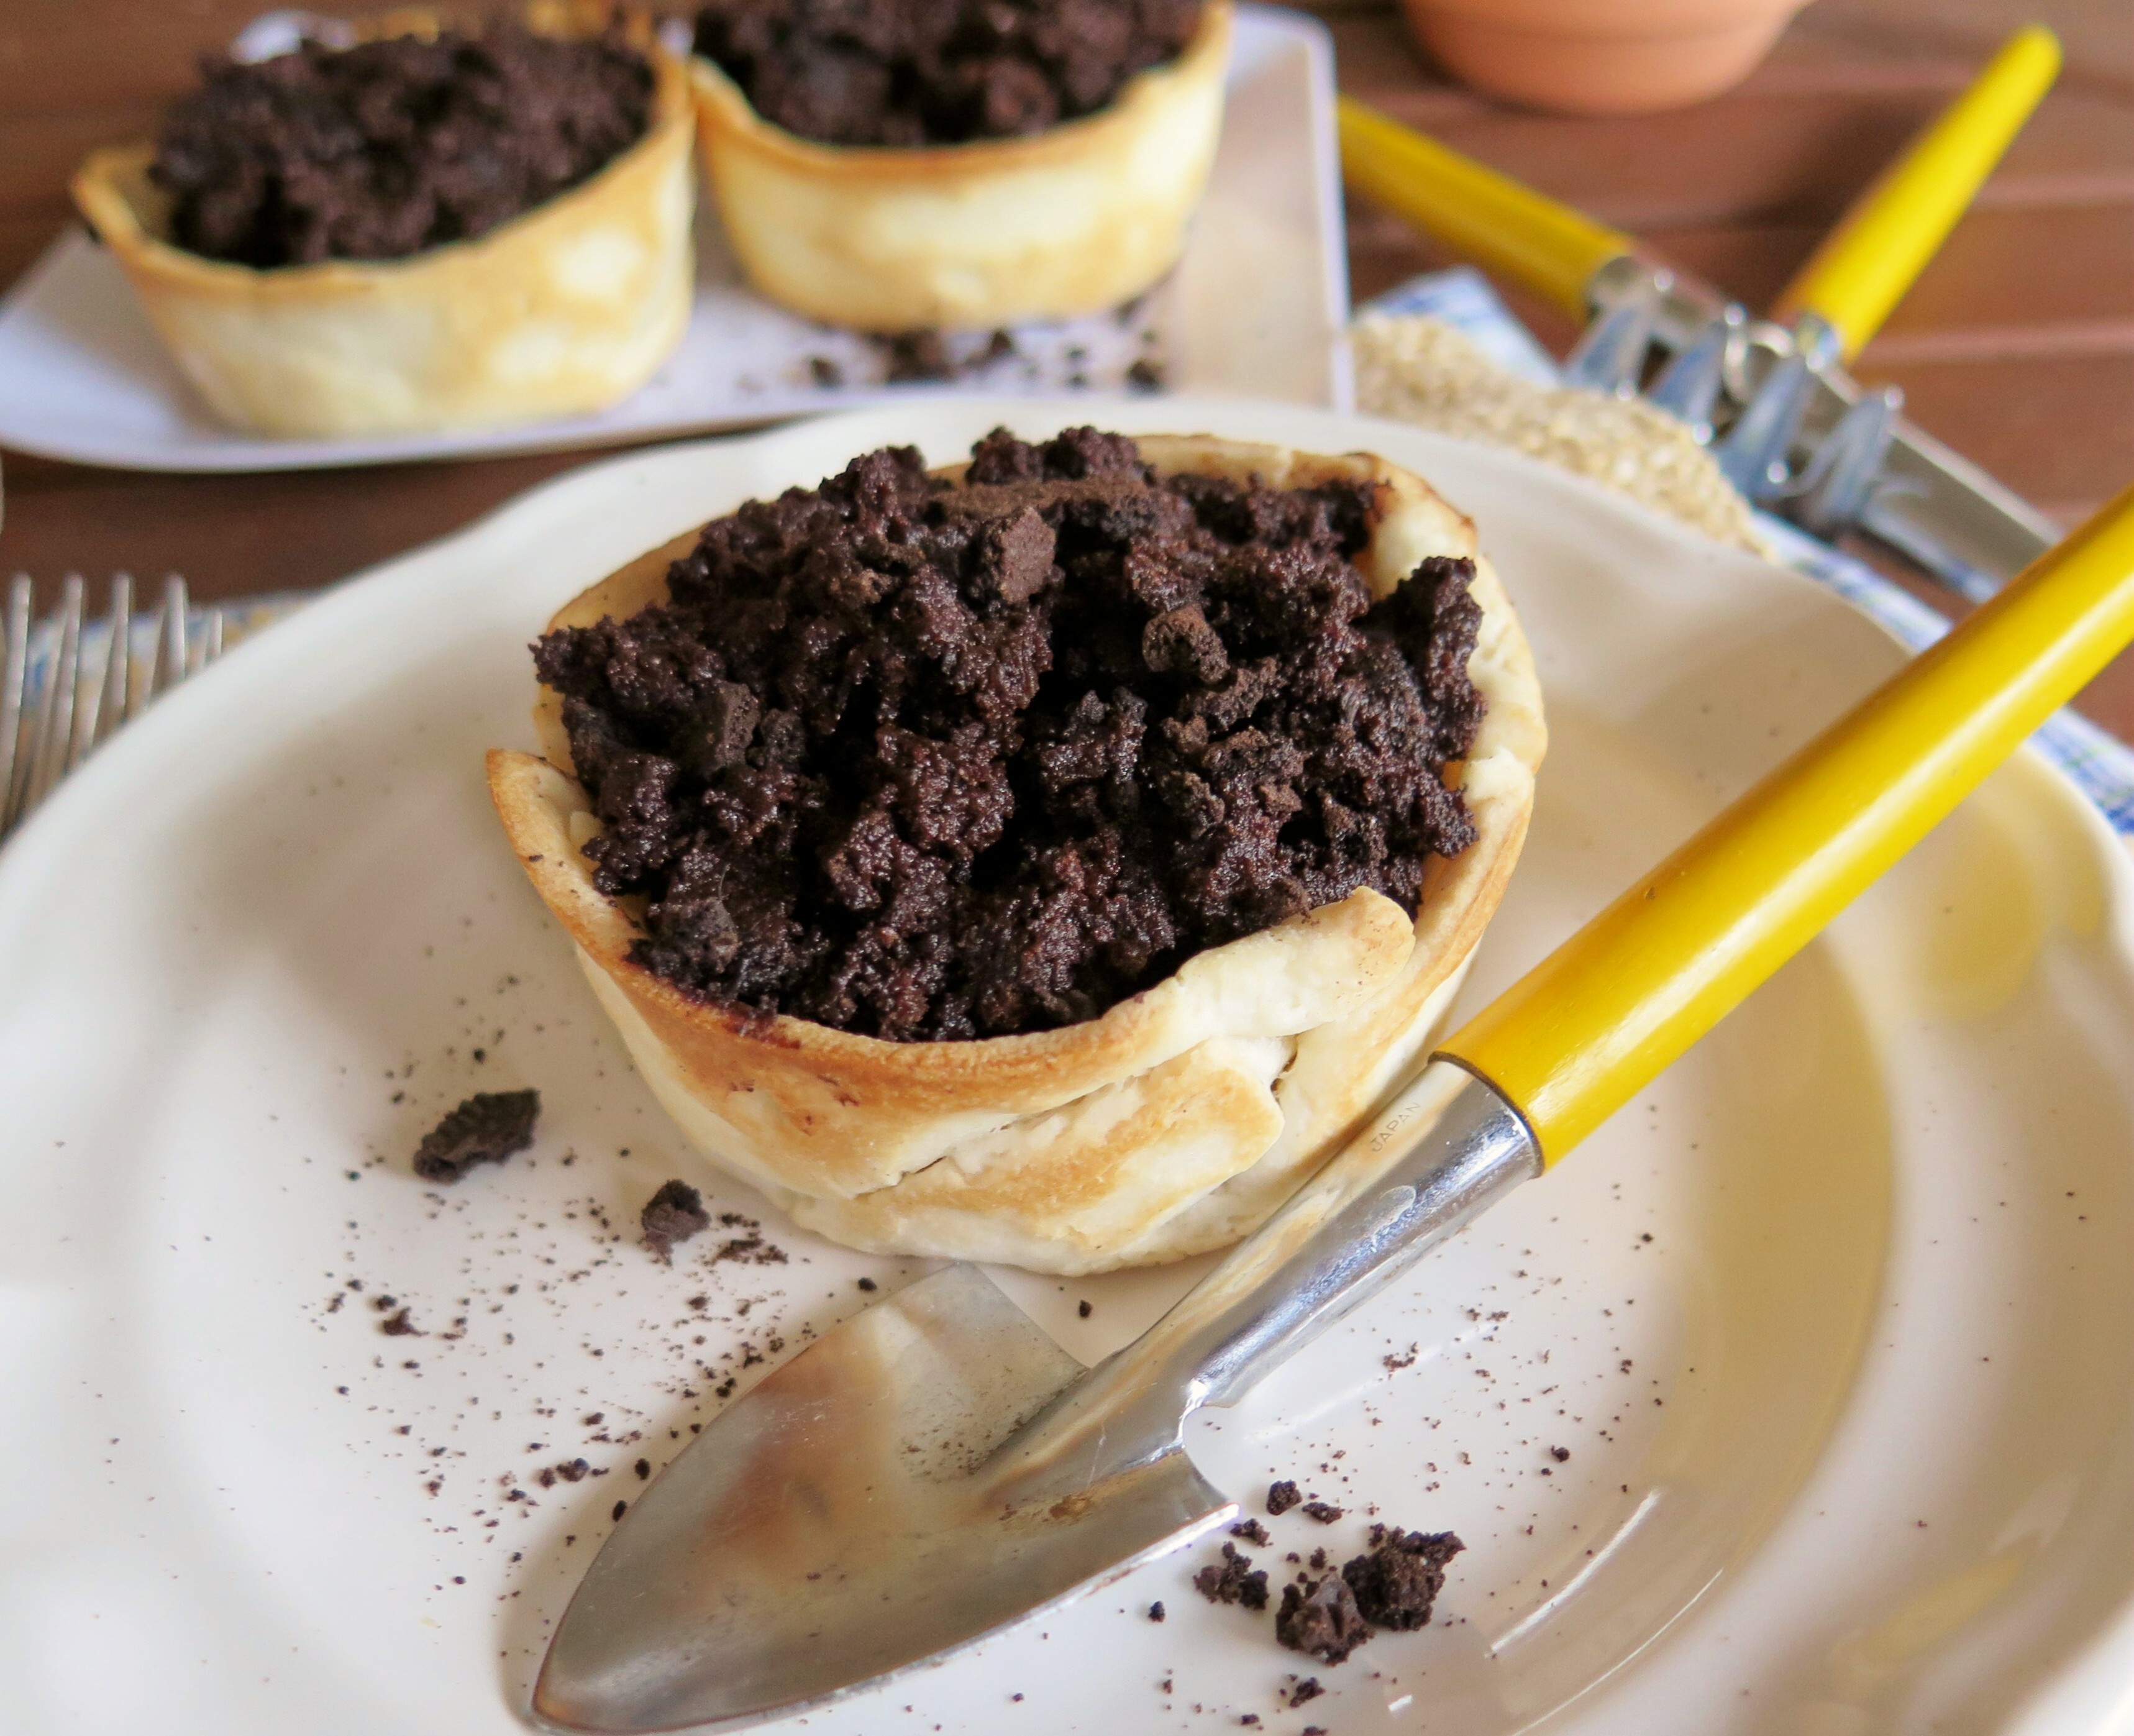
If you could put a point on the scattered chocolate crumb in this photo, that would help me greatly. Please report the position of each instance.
(1313, 1730)
(1319, 1561)
(644, 1469)
(1231, 1580)
(1145, 375)
(1398, 1580)
(620, 1508)
(1324, 1511)
(1086, 1309)
(1308, 1689)
(486, 1129)
(672, 1214)
(1248, 1718)
(920, 354)
(1560, 1454)
(1281, 1497)
(824, 371)
(397, 1325)
(1156, 1610)
(751, 1249)
(1321, 1621)
(384, 149)
(1252, 1532)
(868, 1283)
(594, 1418)
(574, 1472)
(1406, 1359)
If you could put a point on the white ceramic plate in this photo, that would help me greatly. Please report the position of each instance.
(1837, 1324)
(1256, 307)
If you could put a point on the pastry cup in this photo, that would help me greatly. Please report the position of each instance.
(1174, 1123)
(564, 309)
(1074, 219)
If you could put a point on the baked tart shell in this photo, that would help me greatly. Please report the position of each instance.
(1072, 220)
(1174, 1124)
(561, 311)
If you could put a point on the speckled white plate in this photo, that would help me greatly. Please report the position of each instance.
(1836, 1324)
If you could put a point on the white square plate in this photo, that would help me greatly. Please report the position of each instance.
(1256, 307)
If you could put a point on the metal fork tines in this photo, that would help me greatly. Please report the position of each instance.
(68, 683)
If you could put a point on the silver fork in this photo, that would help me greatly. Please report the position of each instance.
(57, 707)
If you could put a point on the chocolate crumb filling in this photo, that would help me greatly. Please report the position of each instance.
(1233, 1580)
(930, 72)
(675, 1214)
(1321, 1620)
(1397, 1581)
(381, 150)
(1281, 1496)
(486, 1129)
(928, 761)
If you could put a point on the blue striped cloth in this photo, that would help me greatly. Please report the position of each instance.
(2100, 765)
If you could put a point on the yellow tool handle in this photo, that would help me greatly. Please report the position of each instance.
(1483, 215)
(1584, 1030)
(1865, 264)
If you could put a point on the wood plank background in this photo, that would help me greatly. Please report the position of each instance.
(2016, 347)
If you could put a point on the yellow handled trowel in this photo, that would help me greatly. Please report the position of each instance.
(937, 1468)
(1787, 425)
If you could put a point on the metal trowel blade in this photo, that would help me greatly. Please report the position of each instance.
(838, 1524)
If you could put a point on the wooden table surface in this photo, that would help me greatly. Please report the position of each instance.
(2016, 347)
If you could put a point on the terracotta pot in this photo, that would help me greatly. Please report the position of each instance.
(1601, 56)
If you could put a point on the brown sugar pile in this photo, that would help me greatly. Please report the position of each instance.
(386, 148)
(927, 760)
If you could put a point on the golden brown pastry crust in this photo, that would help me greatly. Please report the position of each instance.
(1174, 1123)
(560, 312)
(1071, 221)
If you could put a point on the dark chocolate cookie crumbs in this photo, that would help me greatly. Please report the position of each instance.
(1560, 1454)
(925, 72)
(1156, 1611)
(1307, 1689)
(1321, 1620)
(397, 1325)
(1252, 1532)
(1324, 1511)
(1281, 1496)
(620, 1508)
(486, 1129)
(930, 761)
(675, 1214)
(388, 147)
(1085, 1308)
(1398, 1581)
(1233, 1580)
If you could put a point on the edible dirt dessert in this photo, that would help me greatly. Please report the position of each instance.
(922, 72)
(1112, 820)
(487, 1128)
(389, 148)
(1397, 1581)
(425, 229)
(899, 164)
